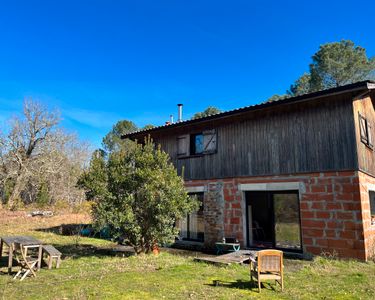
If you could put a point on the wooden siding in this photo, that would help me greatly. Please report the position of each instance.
(297, 138)
(366, 156)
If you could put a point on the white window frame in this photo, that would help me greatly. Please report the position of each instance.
(370, 188)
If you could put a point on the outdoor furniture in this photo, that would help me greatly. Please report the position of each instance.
(52, 253)
(269, 266)
(28, 263)
(226, 247)
(26, 241)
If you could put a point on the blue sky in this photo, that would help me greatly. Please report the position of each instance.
(102, 61)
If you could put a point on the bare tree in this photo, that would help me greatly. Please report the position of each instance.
(36, 151)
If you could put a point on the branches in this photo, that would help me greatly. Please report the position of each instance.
(35, 151)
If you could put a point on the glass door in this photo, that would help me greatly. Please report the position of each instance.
(287, 221)
(273, 220)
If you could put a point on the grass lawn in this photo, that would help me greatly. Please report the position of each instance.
(89, 273)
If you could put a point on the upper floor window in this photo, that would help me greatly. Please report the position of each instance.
(196, 144)
(199, 143)
(366, 131)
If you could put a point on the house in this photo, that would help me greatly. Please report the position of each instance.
(296, 174)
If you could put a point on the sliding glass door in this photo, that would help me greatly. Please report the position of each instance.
(287, 222)
(273, 220)
(192, 227)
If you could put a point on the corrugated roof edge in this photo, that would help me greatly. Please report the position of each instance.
(367, 84)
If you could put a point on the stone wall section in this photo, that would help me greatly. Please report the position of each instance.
(214, 213)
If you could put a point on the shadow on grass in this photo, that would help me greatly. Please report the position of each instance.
(4, 264)
(75, 251)
(243, 285)
(66, 229)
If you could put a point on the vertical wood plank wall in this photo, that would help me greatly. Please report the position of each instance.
(366, 156)
(301, 137)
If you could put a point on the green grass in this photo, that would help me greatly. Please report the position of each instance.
(87, 272)
(288, 234)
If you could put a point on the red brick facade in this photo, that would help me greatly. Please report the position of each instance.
(334, 211)
(366, 184)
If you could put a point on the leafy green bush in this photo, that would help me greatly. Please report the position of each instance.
(138, 195)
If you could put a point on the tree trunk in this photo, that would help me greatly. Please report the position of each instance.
(14, 198)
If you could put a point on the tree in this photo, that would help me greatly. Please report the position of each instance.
(335, 64)
(113, 141)
(95, 181)
(37, 158)
(144, 196)
(276, 98)
(300, 86)
(23, 144)
(148, 126)
(42, 198)
(209, 111)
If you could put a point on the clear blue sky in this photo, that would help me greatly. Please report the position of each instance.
(102, 61)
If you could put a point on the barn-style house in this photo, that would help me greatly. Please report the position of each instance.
(296, 174)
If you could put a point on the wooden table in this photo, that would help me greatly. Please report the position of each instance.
(26, 241)
(227, 247)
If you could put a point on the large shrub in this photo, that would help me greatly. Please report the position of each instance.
(141, 195)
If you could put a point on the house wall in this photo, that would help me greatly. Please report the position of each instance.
(332, 208)
(304, 137)
(367, 183)
(366, 156)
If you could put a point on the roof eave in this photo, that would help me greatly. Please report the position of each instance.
(297, 99)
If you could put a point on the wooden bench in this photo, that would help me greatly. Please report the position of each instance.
(52, 253)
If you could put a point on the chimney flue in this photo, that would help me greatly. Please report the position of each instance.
(179, 112)
(171, 119)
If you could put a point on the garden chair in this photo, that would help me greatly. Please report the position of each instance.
(27, 262)
(269, 266)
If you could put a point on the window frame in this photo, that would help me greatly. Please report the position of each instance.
(188, 142)
(365, 131)
(193, 144)
(188, 216)
(372, 206)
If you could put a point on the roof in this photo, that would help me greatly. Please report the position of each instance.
(357, 86)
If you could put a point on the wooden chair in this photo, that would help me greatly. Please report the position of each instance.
(268, 267)
(28, 263)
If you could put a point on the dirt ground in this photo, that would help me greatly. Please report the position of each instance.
(16, 222)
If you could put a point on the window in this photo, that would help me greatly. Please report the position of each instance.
(192, 227)
(372, 206)
(183, 145)
(197, 144)
(365, 131)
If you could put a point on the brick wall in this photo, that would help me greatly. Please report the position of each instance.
(331, 215)
(333, 206)
(366, 184)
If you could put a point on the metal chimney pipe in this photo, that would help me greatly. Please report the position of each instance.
(171, 119)
(179, 112)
